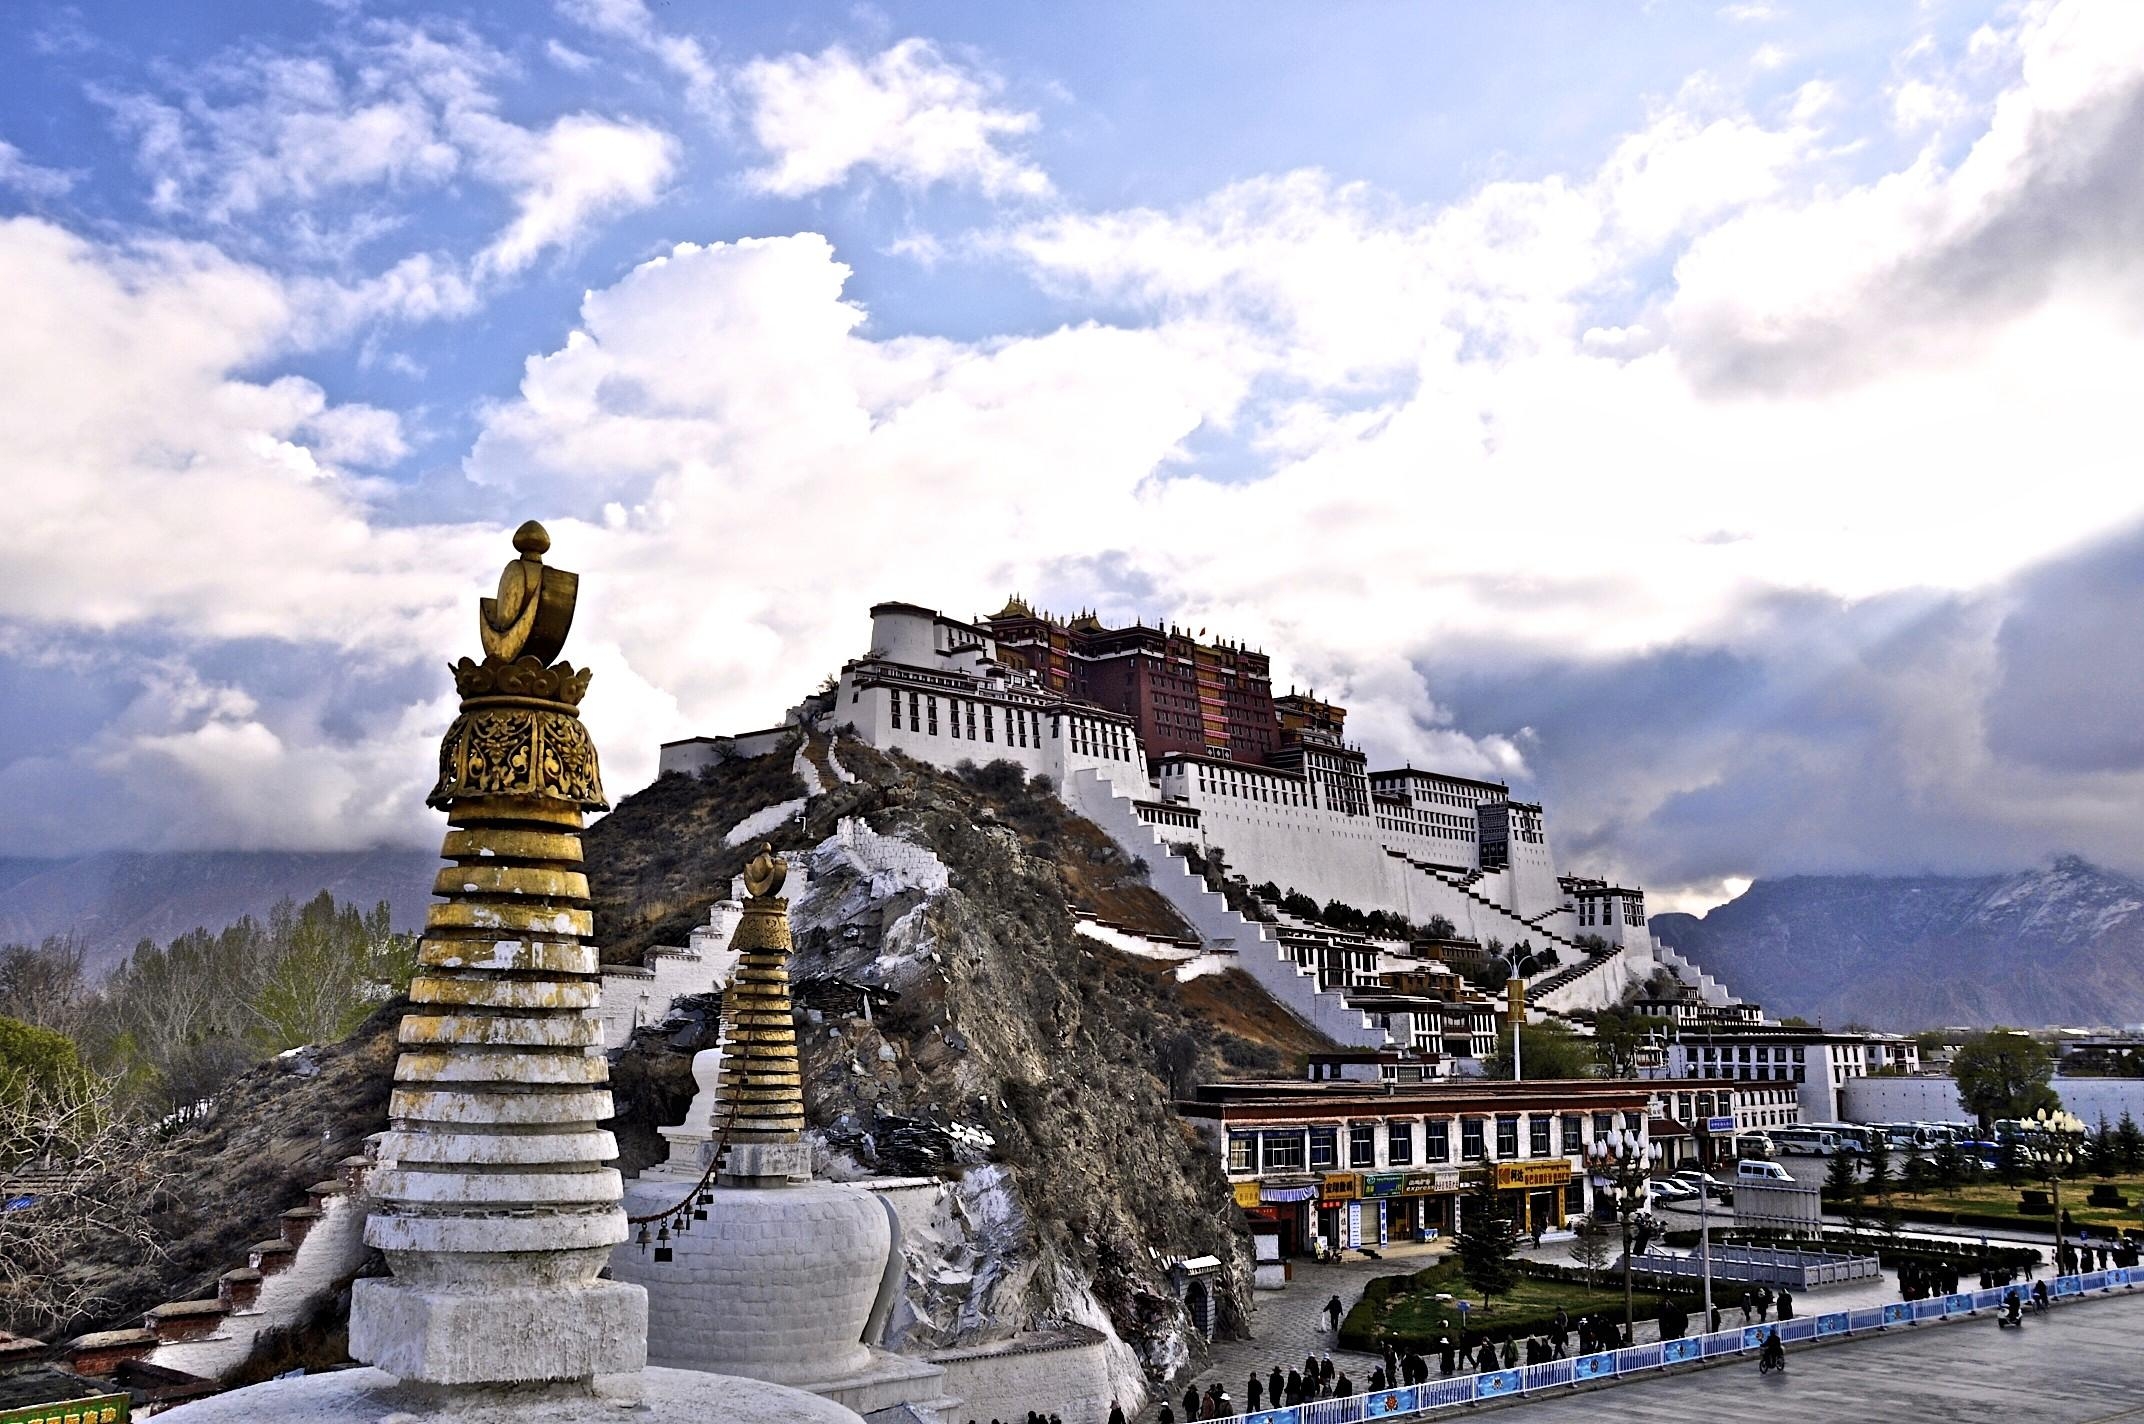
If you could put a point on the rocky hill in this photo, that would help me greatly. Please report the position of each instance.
(2062, 944)
(115, 899)
(959, 1025)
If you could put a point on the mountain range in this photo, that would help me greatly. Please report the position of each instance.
(2063, 944)
(115, 899)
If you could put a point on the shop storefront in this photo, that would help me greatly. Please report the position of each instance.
(1537, 1194)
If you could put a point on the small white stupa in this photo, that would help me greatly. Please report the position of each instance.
(496, 1210)
(752, 1267)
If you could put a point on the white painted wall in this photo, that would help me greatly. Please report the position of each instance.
(1935, 1099)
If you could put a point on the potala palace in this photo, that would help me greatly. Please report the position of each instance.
(1166, 740)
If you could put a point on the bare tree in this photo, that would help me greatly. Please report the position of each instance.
(78, 1186)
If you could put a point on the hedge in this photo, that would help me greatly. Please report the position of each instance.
(1359, 1329)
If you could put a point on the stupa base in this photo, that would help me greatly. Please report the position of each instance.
(656, 1396)
(535, 1333)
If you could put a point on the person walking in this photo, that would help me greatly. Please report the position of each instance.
(1254, 1391)
(1116, 1412)
(1332, 1313)
(1749, 1304)
(1511, 1354)
(1391, 1355)
(1191, 1401)
(1295, 1387)
(1774, 1355)
(1764, 1303)
(1273, 1387)
(1786, 1304)
(1167, 1416)
(1325, 1372)
(1715, 1320)
(1444, 1356)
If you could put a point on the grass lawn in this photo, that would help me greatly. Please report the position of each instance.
(1993, 1198)
(1419, 1312)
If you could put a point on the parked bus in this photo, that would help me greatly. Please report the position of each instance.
(1755, 1146)
(1851, 1136)
(1808, 1141)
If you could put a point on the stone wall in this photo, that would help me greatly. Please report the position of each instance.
(1063, 1373)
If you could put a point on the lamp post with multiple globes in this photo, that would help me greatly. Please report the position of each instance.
(2058, 1134)
(1621, 1163)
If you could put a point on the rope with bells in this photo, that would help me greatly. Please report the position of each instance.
(698, 1198)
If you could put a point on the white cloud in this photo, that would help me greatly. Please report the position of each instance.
(371, 118)
(630, 21)
(579, 169)
(906, 112)
(19, 173)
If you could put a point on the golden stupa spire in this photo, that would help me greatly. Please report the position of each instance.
(760, 1082)
(495, 1204)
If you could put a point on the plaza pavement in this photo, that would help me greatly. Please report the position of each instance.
(2078, 1364)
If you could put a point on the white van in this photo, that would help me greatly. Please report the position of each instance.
(1763, 1173)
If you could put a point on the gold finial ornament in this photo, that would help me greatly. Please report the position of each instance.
(759, 1077)
(534, 608)
(520, 731)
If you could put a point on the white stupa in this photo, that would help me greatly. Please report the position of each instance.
(495, 1208)
(752, 1267)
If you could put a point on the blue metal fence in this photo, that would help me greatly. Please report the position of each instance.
(1416, 1401)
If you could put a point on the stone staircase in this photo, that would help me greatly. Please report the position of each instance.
(1711, 990)
(1257, 948)
(280, 1282)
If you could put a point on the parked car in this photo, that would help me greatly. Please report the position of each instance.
(1699, 1181)
(1762, 1173)
(1667, 1189)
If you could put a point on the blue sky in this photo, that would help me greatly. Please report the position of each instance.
(1522, 373)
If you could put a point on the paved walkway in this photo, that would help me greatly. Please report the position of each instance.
(2079, 1364)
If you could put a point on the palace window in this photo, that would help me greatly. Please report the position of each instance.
(989, 730)
(1361, 1145)
(1470, 1148)
(932, 704)
(1537, 1130)
(896, 708)
(1572, 1134)
(1243, 1152)
(1439, 1146)
(1399, 1144)
(1603, 1124)
(1324, 1148)
(1507, 1137)
(971, 721)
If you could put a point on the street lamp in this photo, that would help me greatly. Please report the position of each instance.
(2059, 1132)
(1622, 1163)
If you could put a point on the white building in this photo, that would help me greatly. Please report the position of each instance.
(1817, 1063)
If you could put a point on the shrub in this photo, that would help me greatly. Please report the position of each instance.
(2107, 1194)
(2034, 1203)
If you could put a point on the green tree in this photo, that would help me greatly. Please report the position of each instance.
(1620, 1037)
(1880, 1178)
(1592, 1246)
(2004, 1073)
(1485, 1243)
(2129, 1143)
(34, 1059)
(2101, 1149)
(1949, 1163)
(1546, 1050)
(1839, 1176)
(2008, 1165)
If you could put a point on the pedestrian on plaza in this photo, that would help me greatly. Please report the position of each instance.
(1485, 1362)
(1223, 1406)
(1116, 1412)
(1585, 1336)
(1764, 1302)
(1444, 1356)
(1378, 1380)
(1273, 1387)
(1511, 1354)
(1562, 1332)
(1786, 1304)
(1343, 1387)
(1559, 1351)
(1191, 1402)
(1774, 1355)
(1392, 1360)
(1332, 1313)
(1310, 1373)
(1749, 1303)
(1325, 1371)
(1254, 1391)
(1715, 1320)
(1295, 1387)
(1168, 1415)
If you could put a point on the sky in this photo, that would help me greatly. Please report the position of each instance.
(1720, 421)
